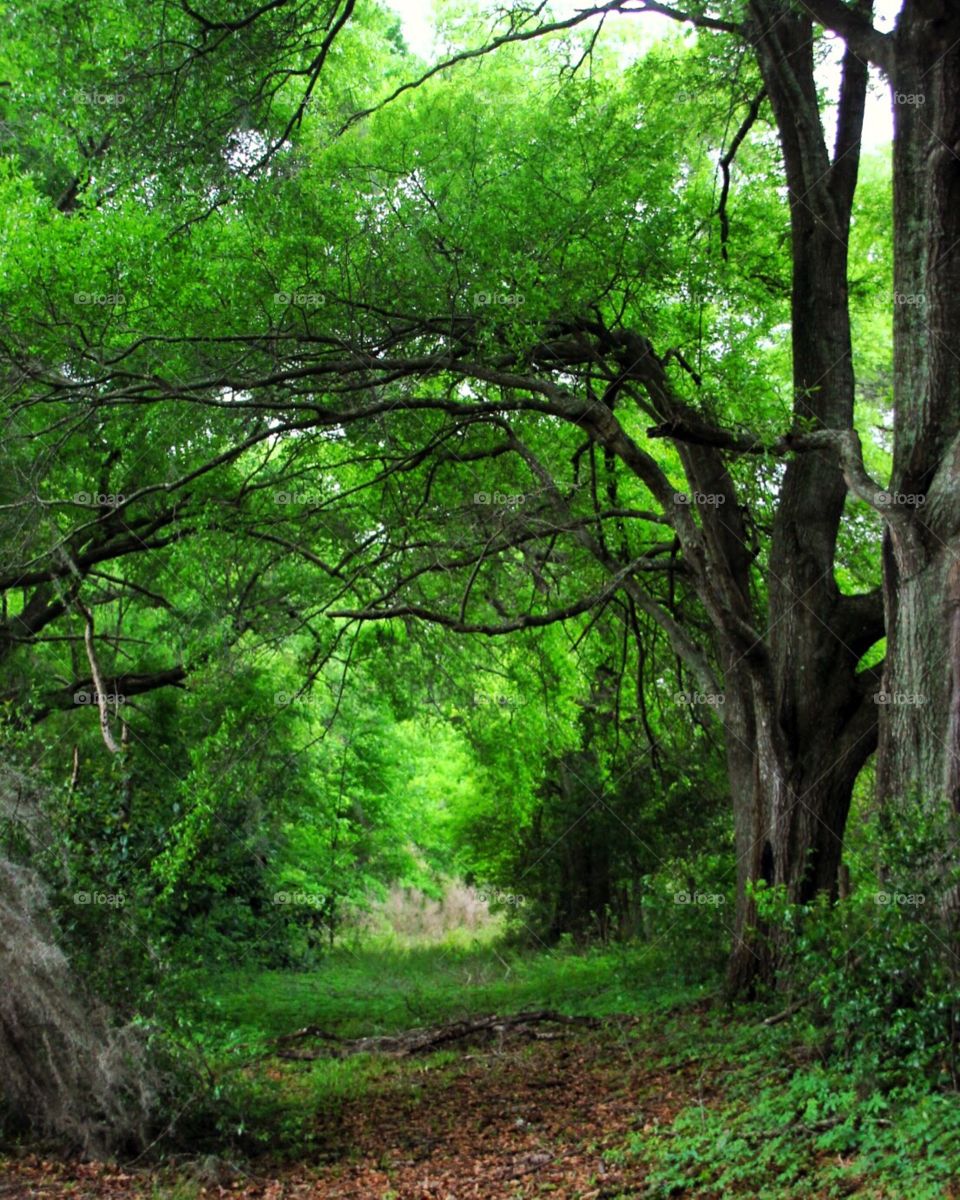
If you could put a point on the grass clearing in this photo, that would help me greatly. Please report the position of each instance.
(359, 992)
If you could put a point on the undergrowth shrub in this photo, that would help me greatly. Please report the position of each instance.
(879, 971)
(688, 908)
(791, 1132)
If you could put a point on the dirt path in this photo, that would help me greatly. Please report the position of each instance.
(514, 1120)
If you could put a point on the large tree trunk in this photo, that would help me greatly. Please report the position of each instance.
(798, 723)
(919, 757)
(791, 791)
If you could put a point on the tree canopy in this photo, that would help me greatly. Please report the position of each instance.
(535, 467)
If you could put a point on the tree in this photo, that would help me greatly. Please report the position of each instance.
(469, 296)
(920, 727)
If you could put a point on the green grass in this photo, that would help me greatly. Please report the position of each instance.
(376, 991)
(231, 1018)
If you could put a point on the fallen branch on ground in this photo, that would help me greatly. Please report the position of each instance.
(787, 1012)
(419, 1041)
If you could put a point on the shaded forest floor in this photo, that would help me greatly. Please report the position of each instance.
(669, 1095)
(513, 1119)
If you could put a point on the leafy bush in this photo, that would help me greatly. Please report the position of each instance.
(880, 967)
(789, 1134)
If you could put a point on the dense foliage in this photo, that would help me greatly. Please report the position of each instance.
(425, 484)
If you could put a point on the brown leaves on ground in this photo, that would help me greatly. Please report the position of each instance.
(508, 1121)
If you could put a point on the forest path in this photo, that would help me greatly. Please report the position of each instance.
(510, 1117)
(514, 1118)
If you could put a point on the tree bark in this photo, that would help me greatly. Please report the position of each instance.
(919, 760)
(919, 726)
(798, 723)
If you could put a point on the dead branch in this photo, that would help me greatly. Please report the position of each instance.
(422, 1041)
